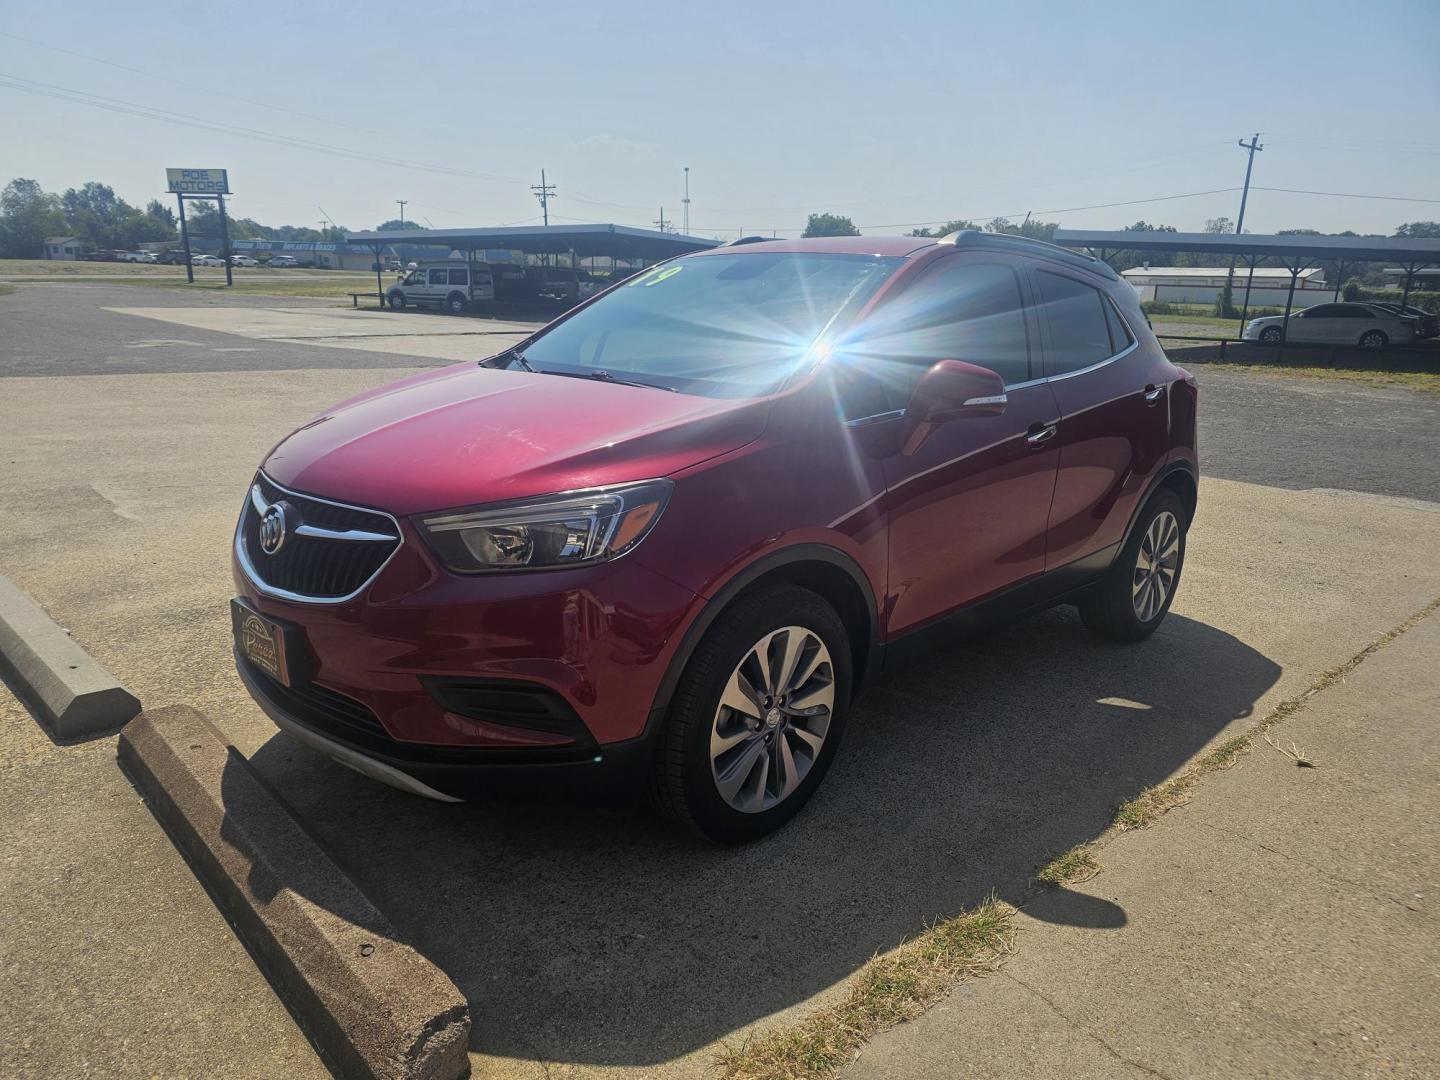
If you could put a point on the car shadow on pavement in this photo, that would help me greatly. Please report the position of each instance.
(610, 938)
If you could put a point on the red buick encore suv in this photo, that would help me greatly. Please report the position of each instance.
(665, 541)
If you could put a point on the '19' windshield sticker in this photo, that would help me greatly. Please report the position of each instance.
(654, 277)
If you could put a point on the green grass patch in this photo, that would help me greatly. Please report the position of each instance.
(6, 290)
(1074, 866)
(888, 990)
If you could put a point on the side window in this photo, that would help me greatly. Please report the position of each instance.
(1120, 337)
(1079, 324)
(961, 310)
(1355, 312)
(1325, 311)
(439, 277)
(459, 277)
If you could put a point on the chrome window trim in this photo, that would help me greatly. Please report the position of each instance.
(875, 418)
(253, 576)
(1096, 366)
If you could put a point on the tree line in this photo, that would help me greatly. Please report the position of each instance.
(102, 220)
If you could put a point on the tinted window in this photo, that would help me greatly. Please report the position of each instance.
(459, 277)
(961, 310)
(439, 277)
(1079, 329)
(1355, 312)
(1120, 338)
(1325, 311)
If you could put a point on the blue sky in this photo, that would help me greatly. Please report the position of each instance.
(894, 114)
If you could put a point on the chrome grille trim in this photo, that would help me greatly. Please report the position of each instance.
(255, 502)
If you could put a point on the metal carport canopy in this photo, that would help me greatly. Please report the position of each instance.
(1405, 251)
(586, 241)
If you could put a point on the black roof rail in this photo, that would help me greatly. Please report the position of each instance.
(976, 238)
(747, 240)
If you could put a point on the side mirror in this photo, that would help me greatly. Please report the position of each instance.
(950, 390)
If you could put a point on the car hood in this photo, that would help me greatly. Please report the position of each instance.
(465, 435)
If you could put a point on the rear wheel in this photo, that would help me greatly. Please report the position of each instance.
(757, 717)
(455, 303)
(1271, 335)
(1373, 339)
(1131, 601)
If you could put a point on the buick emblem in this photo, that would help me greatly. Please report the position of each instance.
(274, 527)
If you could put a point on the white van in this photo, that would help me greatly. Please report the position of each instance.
(446, 285)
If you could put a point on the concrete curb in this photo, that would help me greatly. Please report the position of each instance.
(372, 1005)
(53, 675)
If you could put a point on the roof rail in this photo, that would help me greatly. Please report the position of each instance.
(976, 238)
(747, 240)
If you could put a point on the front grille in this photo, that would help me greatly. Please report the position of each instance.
(315, 567)
(322, 708)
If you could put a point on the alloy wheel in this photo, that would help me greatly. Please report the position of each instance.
(1155, 566)
(772, 720)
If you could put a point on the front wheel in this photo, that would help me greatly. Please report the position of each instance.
(1271, 335)
(1373, 339)
(397, 301)
(757, 717)
(1131, 601)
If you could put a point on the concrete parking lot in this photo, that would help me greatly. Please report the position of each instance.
(597, 942)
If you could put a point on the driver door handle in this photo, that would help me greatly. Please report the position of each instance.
(1153, 394)
(1040, 434)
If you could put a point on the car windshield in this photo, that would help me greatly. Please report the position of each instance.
(731, 325)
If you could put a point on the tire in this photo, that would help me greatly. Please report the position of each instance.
(1373, 339)
(1131, 601)
(455, 304)
(1271, 335)
(767, 761)
(397, 301)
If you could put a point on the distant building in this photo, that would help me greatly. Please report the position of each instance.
(63, 247)
(1201, 284)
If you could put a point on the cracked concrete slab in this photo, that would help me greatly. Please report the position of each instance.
(1283, 923)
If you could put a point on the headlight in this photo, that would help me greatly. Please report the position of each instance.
(559, 530)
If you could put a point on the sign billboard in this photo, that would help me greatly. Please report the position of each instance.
(198, 181)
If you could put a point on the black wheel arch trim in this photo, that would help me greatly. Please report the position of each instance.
(1156, 483)
(738, 583)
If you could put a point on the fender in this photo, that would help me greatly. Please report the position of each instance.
(1163, 473)
(742, 579)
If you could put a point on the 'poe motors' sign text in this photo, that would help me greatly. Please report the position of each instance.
(198, 181)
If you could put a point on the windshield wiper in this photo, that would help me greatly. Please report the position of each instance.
(600, 375)
(512, 357)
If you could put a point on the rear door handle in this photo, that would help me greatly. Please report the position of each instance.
(1040, 434)
(1153, 394)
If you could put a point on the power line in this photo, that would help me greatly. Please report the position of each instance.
(98, 101)
(1346, 195)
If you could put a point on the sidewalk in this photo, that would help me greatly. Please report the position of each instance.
(1284, 923)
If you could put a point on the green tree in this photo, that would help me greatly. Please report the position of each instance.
(1219, 225)
(1422, 230)
(829, 225)
(1035, 230)
(958, 225)
(28, 214)
(395, 224)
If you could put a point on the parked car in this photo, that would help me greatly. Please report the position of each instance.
(665, 540)
(1365, 325)
(279, 262)
(393, 265)
(103, 255)
(1427, 322)
(243, 260)
(208, 260)
(561, 284)
(132, 256)
(173, 257)
(447, 285)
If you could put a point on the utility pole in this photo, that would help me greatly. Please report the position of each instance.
(686, 200)
(1253, 146)
(402, 203)
(544, 193)
(661, 223)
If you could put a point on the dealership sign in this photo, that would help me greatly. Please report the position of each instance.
(198, 181)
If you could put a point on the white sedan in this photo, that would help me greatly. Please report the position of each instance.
(1365, 325)
(208, 260)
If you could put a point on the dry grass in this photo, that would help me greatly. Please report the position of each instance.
(6, 290)
(1074, 866)
(1428, 381)
(1294, 753)
(1154, 801)
(889, 990)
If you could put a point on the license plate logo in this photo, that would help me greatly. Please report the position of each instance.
(263, 646)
